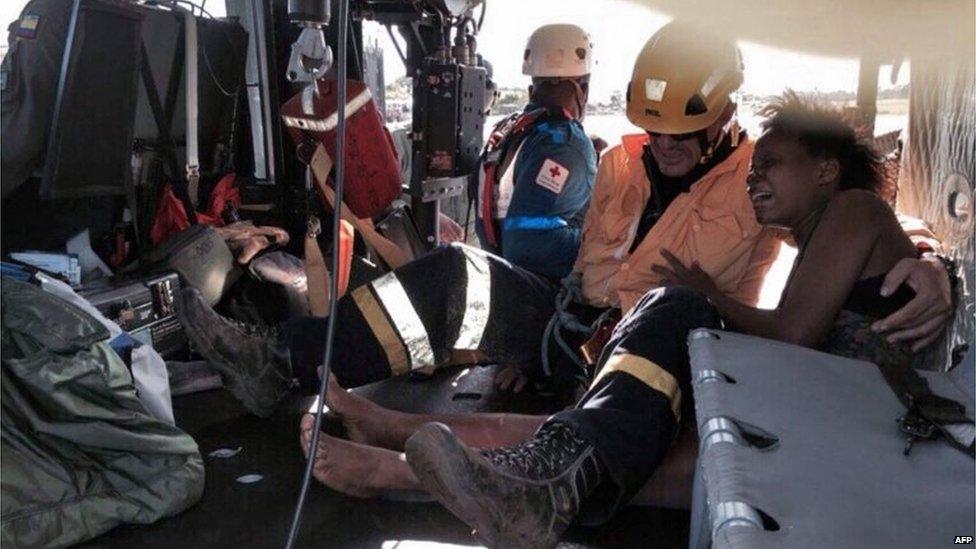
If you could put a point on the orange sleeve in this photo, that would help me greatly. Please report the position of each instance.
(602, 187)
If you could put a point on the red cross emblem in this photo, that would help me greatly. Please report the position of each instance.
(552, 176)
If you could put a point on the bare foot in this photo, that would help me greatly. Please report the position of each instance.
(355, 469)
(366, 422)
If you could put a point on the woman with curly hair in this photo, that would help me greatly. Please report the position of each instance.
(813, 177)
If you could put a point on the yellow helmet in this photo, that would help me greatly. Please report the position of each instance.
(682, 80)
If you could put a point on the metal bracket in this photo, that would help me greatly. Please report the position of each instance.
(437, 188)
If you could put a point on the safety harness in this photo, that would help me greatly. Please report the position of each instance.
(599, 331)
(505, 139)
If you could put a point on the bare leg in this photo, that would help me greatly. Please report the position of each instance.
(372, 461)
(371, 424)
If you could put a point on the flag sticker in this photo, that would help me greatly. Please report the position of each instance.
(552, 176)
(27, 28)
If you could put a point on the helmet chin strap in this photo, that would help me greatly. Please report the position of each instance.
(580, 103)
(731, 129)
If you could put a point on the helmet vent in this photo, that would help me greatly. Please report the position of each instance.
(581, 53)
(696, 105)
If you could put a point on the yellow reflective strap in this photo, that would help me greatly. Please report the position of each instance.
(393, 298)
(648, 373)
(396, 351)
(477, 302)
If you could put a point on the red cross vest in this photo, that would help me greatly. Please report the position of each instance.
(497, 181)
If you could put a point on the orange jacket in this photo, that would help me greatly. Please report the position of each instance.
(713, 224)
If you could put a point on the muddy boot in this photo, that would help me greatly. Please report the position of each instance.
(252, 360)
(523, 496)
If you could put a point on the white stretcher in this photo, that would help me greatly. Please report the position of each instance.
(800, 448)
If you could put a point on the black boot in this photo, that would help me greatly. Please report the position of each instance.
(252, 360)
(523, 496)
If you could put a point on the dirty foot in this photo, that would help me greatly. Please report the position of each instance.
(351, 468)
(366, 422)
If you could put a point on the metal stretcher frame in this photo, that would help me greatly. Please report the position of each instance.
(801, 449)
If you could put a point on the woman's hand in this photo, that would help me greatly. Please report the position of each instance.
(676, 274)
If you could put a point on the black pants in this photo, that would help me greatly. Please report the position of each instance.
(632, 410)
(454, 298)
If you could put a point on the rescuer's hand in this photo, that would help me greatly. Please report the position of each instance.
(511, 377)
(246, 240)
(448, 230)
(921, 321)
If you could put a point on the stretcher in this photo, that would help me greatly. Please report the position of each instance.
(800, 448)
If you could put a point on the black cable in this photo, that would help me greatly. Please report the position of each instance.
(468, 23)
(356, 56)
(213, 76)
(340, 165)
(396, 45)
(481, 18)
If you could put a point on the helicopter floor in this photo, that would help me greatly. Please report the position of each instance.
(258, 514)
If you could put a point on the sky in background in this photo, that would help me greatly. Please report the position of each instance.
(619, 30)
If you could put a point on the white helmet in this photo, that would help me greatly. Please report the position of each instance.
(558, 51)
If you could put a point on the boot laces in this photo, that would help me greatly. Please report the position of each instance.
(547, 455)
(196, 302)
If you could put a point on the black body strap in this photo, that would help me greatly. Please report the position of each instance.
(928, 415)
(163, 116)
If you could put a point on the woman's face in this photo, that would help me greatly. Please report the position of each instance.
(785, 182)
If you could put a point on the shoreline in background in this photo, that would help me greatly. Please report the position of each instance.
(611, 127)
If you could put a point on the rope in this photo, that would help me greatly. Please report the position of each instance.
(571, 291)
